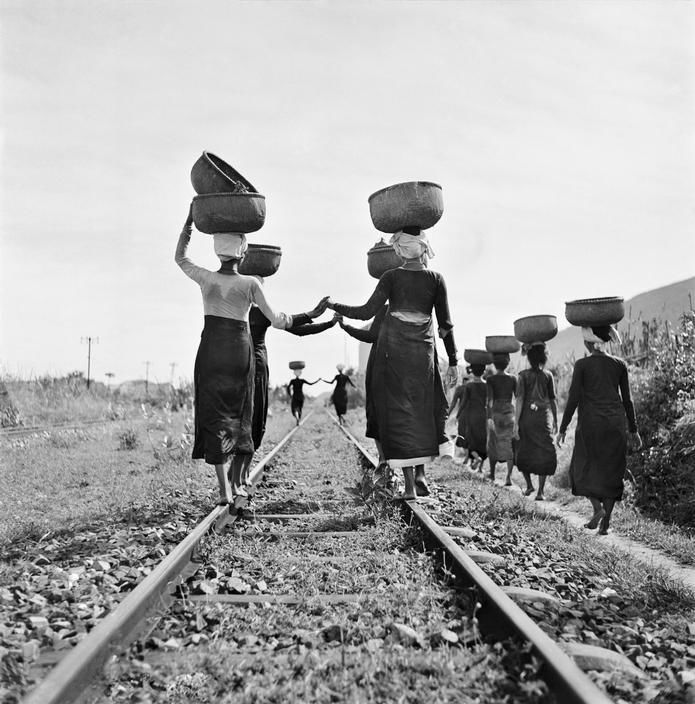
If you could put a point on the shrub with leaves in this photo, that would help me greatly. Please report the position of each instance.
(664, 394)
(128, 440)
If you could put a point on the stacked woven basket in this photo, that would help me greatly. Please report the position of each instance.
(228, 202)
(413, 204)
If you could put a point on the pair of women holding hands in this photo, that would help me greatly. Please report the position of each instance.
(406, 399)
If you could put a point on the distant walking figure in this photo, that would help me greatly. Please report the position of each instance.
(501, 389)
(536, 420)
(473, 416)
(340, 395)
(600, 389)
(296, 392)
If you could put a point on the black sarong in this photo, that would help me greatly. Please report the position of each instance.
(224, 380)
(408, 394)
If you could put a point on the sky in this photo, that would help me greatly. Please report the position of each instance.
(561, 134)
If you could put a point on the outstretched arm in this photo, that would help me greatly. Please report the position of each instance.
(277, 319)
(370, 308)
(350, 382)
(310, 328)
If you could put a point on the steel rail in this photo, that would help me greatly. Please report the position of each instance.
(558, 669)
(67, 681)
(28, 429)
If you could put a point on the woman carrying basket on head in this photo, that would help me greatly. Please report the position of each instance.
(600, 391)
(408, 394)
(224, 365)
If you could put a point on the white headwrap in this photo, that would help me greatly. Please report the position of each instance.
(230, 245)
(411, 246)
(589, 336)
(340, 367)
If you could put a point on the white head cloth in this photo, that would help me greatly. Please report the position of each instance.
(589, 336)
(411, 246)
(340, 367)
(229, 245)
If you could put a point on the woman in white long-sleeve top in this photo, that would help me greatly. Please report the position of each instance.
(224, 365)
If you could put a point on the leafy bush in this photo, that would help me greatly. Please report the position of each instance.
(664, 394)
(128, 440)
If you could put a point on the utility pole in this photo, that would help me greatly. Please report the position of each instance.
(89, 341)
(147, 376)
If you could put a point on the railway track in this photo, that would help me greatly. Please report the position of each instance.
(19, 431)
(317, 552)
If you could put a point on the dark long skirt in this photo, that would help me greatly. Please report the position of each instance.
(370, 411)
(535, 451)
(407, 392)
(223, 379)
(474, 418)
(598, 460)
(340, 401)
(499, 440)
(296, 405)
(260, 397)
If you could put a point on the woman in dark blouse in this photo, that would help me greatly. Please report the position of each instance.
(370, 336)
(472, 416)
(295, 391)
(536, 420)
(340, 396)
(409, 399)
(600, 390)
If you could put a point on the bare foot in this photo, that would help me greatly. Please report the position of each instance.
(595, 519)
(529, 490)
(508, 483)
(540, 497)
(603, 526)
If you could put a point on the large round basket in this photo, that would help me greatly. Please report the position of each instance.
(593, 312)
(210, 174)
(502, 344)
(229, 212)
(477, 356)
(535, 328)
(412, 204)
(261, 260)
(297, 365)
(381, 258)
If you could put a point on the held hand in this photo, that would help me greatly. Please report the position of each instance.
(330, 303)
(490, 424)
(560, 439)
(320, 307)
(337, 318)
(452, 376)
(515, 432)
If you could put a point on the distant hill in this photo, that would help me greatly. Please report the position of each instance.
(667, 303)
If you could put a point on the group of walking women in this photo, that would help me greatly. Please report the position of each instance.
(503, 418)
(406, 405)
